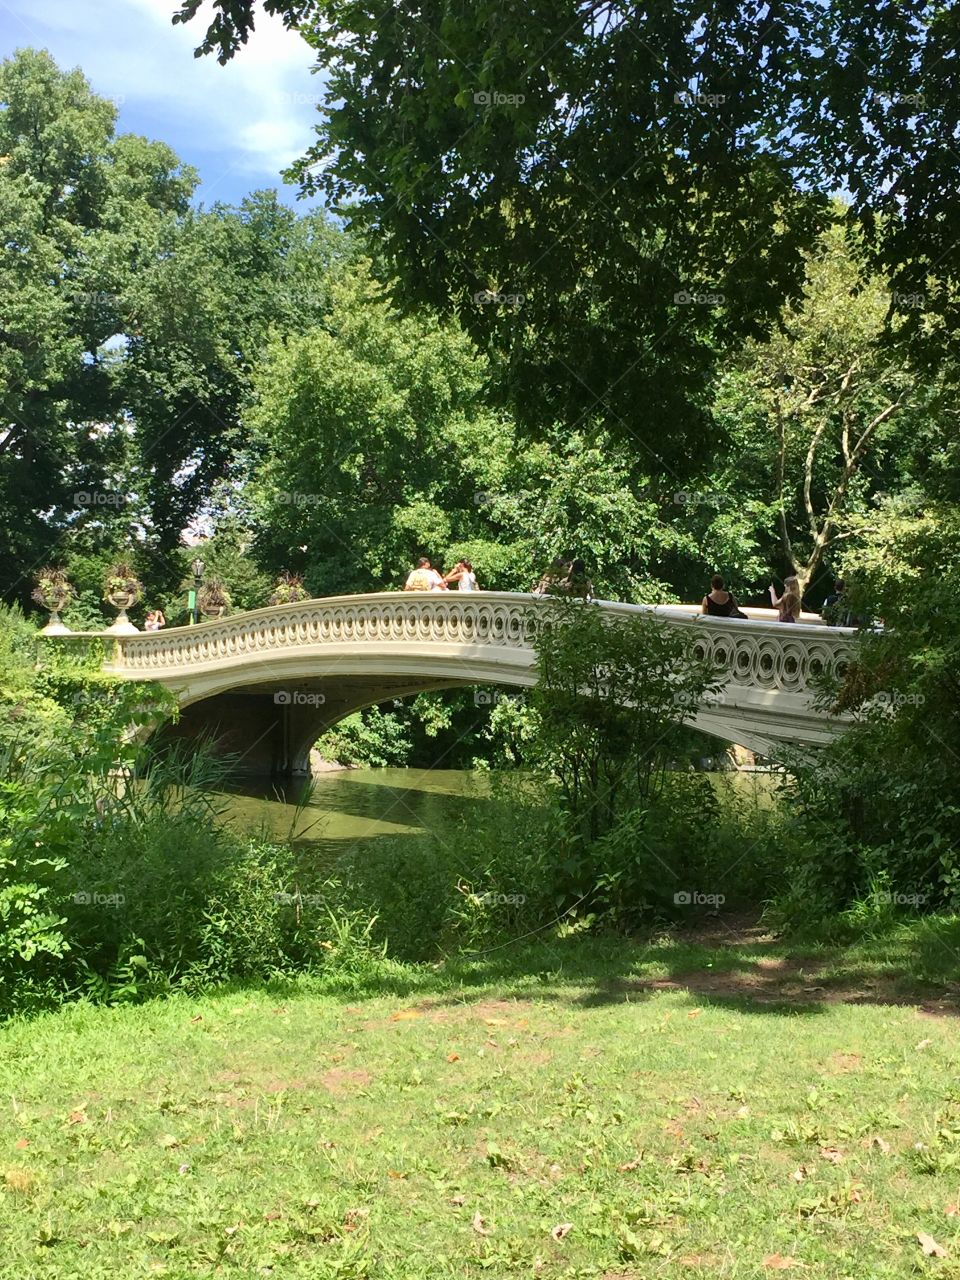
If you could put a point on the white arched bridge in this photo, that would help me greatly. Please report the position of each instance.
(265, 684)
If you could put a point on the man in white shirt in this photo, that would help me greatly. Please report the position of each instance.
(424, 578)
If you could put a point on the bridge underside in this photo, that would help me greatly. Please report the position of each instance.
(270, 730)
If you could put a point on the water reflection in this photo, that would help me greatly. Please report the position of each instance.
(340, 809)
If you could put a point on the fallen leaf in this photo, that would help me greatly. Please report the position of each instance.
(777, 1262)
(232, 1231)
(271, 1215)
(479, 1225)
(404, 1015)
(694, 1013)
(881, 1144)
(831, 1154)
(743, 1111)
(21, 1144)
(799, 1174)
(169, 1141)
(561, 1229)
(854, 1195)
(184, 1168)
(924, 1044)
(198, 1018)
(77, 1117)
(629, 1166)
(453, 1057)
(458, 1200)
(952, 1210)
(930, 1247)
(495, 1022)
(395, 1173)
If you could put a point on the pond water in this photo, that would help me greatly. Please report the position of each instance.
(337, 810)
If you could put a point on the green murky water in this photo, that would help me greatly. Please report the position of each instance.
(338, 810)
(341, 809)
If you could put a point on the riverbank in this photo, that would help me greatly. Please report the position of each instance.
(589, 1108)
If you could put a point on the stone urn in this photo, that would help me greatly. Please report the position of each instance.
(122, 590)
(288, 589)
(53, 592)
(213, 599)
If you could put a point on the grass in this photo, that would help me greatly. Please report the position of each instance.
(711, 1106)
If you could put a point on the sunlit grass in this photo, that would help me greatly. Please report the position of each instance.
(549, 1113)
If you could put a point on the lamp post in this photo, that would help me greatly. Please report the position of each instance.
(197, 569)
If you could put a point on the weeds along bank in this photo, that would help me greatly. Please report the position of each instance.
(120, 878)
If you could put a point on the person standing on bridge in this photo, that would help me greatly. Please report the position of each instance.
(424, 578)
(462, 574)
(576, 583)
(787, 605)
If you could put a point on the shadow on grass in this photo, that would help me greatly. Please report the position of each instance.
(912, 963)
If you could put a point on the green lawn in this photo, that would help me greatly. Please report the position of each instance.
(546, 1113)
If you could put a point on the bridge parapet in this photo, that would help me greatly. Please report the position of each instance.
(358, 650)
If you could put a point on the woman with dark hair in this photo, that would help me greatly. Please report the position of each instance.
(718, 602)
(576, 583)
(462, 574)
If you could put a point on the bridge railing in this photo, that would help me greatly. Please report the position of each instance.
(756, 651)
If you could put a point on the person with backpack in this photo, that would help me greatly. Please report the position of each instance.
(424, 578)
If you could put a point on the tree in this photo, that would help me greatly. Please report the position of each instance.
(374, 443)
(130, 325)
(609, 703)
(80, 207)
(592, 189)
(818, 419)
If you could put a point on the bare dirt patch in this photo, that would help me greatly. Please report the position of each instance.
(799, 981)
(341, 1080)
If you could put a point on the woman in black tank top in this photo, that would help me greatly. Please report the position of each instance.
(722, 608)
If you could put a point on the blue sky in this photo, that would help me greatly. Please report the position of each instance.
(238, 125)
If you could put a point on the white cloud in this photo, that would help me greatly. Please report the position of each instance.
(251, 117)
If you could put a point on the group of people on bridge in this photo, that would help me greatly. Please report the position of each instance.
(835, 612)
(569, 577)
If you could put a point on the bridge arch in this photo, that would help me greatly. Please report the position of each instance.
(278, 675)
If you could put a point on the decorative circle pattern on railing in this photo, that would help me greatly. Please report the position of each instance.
(757, 654)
